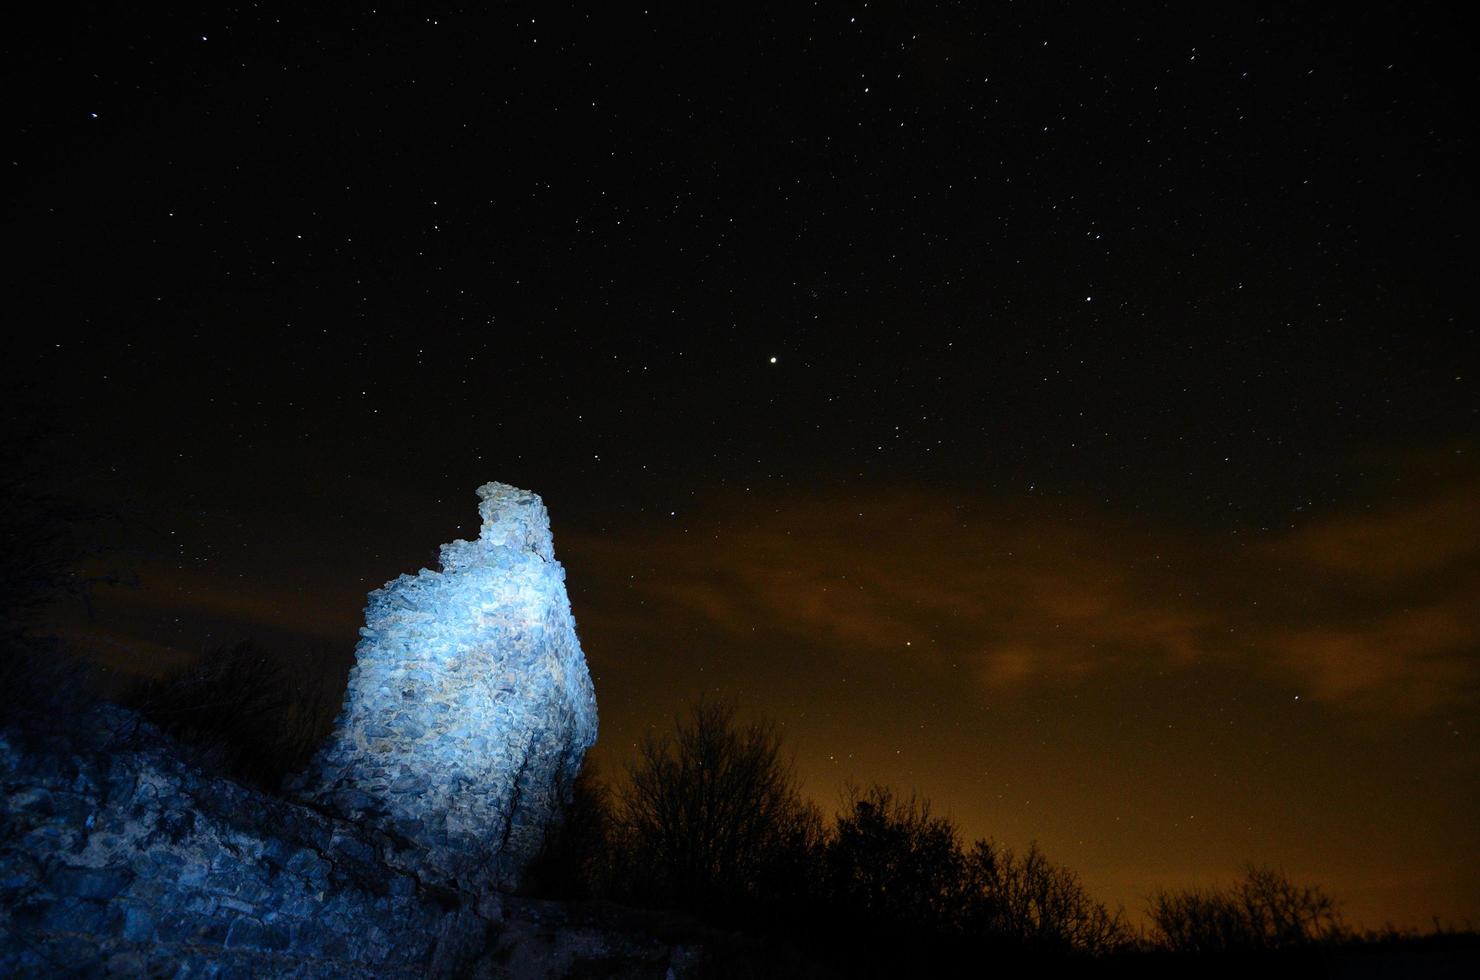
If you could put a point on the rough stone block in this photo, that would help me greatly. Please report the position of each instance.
(91, 883)
(138, 924)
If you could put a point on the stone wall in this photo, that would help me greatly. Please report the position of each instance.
(469, 707)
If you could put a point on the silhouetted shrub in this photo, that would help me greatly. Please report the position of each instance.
(247, 713)
(575, 860)
(889, 861)
(1263, 910)
(45, 538)
(1033, 903)
(41, 681)
(40, 544)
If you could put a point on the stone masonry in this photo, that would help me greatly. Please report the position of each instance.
(469, 707)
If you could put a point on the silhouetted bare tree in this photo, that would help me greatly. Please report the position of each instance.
(1262, 910)
(710, 820)
(253, 714)
(710, 810)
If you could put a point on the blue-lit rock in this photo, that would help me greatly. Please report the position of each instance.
(117, 858)
(467, 713)
(469, 708)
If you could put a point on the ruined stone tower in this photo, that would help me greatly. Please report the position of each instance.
(469, 707)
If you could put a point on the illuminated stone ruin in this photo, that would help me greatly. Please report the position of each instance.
(469, 707)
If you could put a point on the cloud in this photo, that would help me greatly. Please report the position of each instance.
(1398, 543)
(1367, 609)
(251, 602)
(1024, 596)
(1411, 660)
(1387, 615)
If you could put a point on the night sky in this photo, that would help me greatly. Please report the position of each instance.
(1065, 411)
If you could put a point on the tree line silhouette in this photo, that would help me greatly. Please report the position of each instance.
(710, 819)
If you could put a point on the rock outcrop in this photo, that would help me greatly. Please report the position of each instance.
(469, 707)
(118, 859)
(467, 714)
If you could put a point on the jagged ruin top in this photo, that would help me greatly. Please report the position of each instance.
(511, 518)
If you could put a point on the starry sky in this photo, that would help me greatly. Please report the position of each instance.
(1066, 411)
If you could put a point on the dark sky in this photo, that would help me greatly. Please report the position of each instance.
(1064, 410)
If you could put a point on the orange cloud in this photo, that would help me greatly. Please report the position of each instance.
(1397, 543)
(909, 574)
(1369, 610)
(248, 601)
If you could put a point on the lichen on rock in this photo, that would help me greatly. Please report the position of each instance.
(469, 708)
